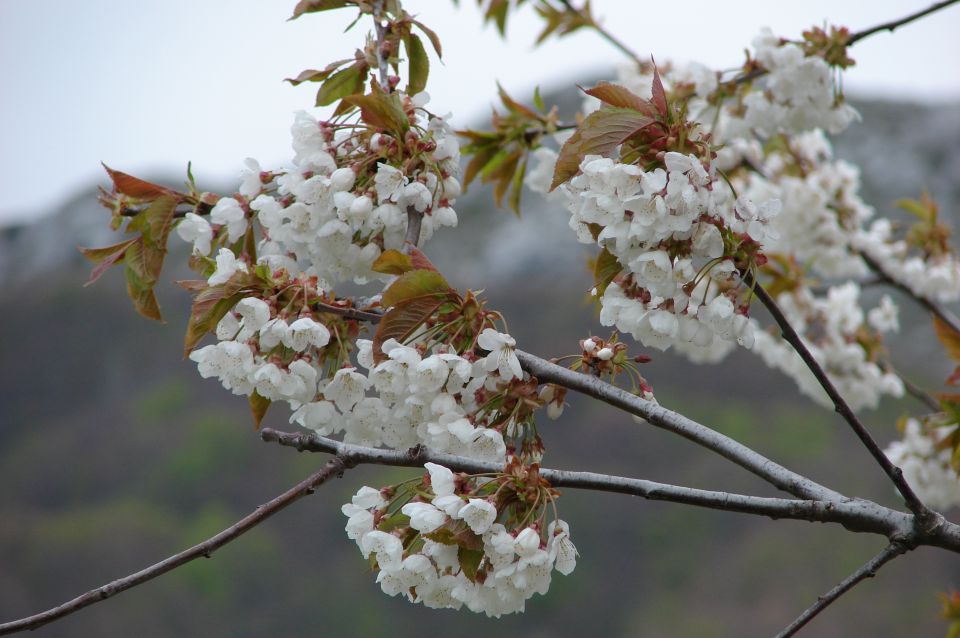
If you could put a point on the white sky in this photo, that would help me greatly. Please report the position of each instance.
(145, 86)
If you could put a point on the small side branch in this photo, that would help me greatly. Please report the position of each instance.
(334, 467)
(661, 417)
(868, 570)
(854, 514)
(896, 24)
(924, 514)
(942, 313)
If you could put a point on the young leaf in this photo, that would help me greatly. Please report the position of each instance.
(949, 337)
(605, 270)
(209, 306)
(420, 261)
(415, 283)
(105, 257)
(134, 186)
(313, 6)
(392, 262)
(621, 96)
(470, 562)
(381, 111)
(432, 36)
(314, 75)
(403, 319)
(344, 82)
(141, 294)
(599, 134)
(659, 96)
(419, 64)
(258, 407)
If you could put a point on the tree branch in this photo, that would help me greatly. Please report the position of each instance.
(381, 32)
(606, 35)
(895, 24)
(854, 514)
(945, 315)
(334, 467)
(924, 514)
(661, 417)
(868, 570)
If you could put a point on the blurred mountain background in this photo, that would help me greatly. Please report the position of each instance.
(116, 454)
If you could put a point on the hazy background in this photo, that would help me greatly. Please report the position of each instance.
(115, 454)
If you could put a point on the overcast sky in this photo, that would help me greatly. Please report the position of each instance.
(145, 86)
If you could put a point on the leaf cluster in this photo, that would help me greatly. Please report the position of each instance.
(500, 156)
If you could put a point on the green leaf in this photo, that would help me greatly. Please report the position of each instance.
(105, 257)
(144, 301)
(381, 111)
(432, 36)
(392, 262)
(516, 186)
(599, 134)
(415, 283)
(314, 75)
(477, 164)
(314, 6)
(157, 221)
(394, 521)
(538, 100)
(419, 65)
(605, 270)
(258, 407)
(470, 560)
(344, 82)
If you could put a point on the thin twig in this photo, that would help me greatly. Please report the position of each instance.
(606, 35)
(924, 514)
(334, 467)
(920, 394)
(945, 315)
(661, 417)
(868, 570)
(895, 24)
(855, 514)
(349, 313)
(859, 35)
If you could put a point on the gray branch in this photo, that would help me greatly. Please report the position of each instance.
(926, 516)
(661, 417)
(868, 570)
(334, 467)
(856, 515)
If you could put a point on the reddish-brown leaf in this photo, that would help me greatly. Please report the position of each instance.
(134, 186)
(599, 134)
(419, 260)
(402, 320)
(949, 337)
(105, 257)
(621, 96)
(381, 111)
(415, 283)
(659, 96)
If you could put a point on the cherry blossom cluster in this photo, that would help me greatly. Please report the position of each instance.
(796, 94)
(842, 338)
(667, 226)
(926, 466)
(343, 202)
(456, 541)
(436, 400)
